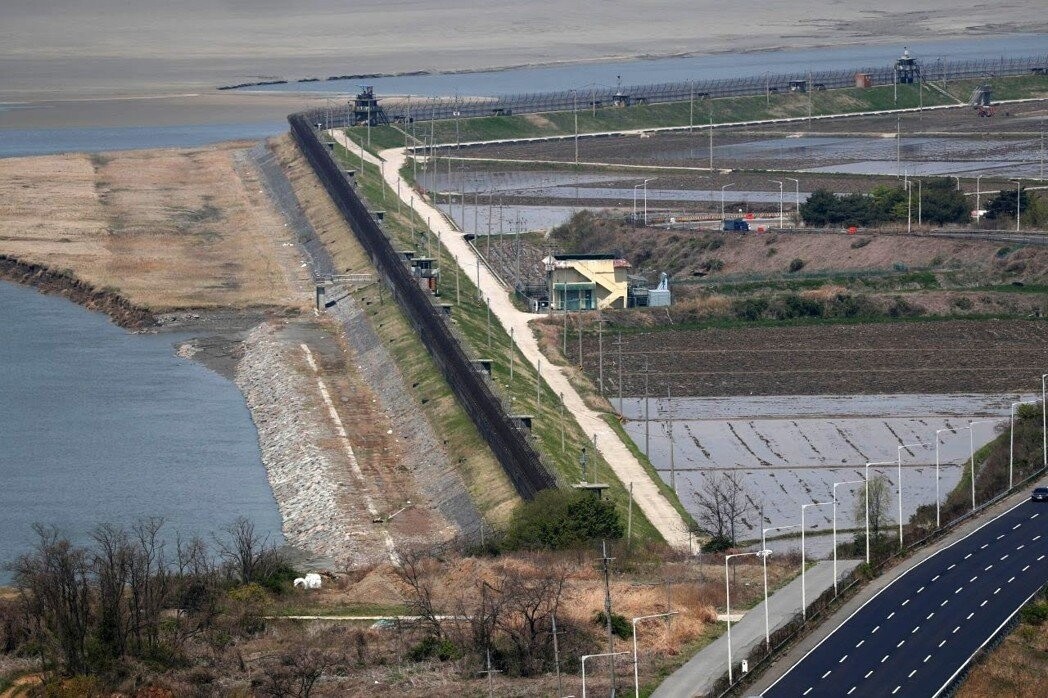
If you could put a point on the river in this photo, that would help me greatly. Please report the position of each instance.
(101, 425)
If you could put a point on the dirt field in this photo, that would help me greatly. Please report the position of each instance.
(167, 229)
(953, 356)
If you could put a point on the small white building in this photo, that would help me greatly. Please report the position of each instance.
(586, 281)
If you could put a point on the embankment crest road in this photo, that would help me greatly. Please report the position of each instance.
(917, 635)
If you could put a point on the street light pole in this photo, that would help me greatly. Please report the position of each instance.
(727, 602)
(849, 482)
(978, 195)
(1011, 444)
(898, 452)
(575, 110)
(866, 479)
(804, 587)
(775, 181)
(636, 671)
(1018, 200)
(722, 197)
(764, 546)
(937, 432)
(971, 446)
(650, 179)
(1044, 421)
(594, 656)
(635, 188)
(797, 192)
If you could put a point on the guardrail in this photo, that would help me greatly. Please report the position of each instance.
(509, 445)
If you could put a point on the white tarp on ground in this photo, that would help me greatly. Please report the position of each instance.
(790, 450)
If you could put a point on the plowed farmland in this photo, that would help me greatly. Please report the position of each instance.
(954, 356)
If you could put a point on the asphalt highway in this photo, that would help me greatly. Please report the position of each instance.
(919, 633)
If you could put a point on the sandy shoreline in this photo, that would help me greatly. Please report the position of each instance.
(156, 63)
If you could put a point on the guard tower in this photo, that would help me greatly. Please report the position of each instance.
(906, 68)
(366, 109)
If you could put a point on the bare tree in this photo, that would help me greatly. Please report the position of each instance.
(416, 569)
(880, 499)
(529, 605)
(54, 590)
(111, 562)
(295, 673)
(149, 580)
(722, 503)
(247, 553)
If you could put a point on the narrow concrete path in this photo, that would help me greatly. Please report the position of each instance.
(698, 676)
(627, 468)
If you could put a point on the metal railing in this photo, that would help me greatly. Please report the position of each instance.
(510, 446)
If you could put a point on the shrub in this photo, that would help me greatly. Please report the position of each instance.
(796, 265)
(558, 519)
(962, 303)
(750, 309)
(715, 264)
(860, 243)
(717, 544)
(619, 624)
(772, 251)
(433, 647)
(1035, 613)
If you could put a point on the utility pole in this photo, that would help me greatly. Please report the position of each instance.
(647, 421)
(538, 383)
(691, 106)
(607, 614)
(458, 294)
(487, 304)
(669, 425)
(709, 100)
(580, 336)
(600, 352)
(575, 111)
(620, 373)
(512, 354)
(556, 655)
(562, 423)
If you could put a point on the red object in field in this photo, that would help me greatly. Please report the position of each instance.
(852, 230)
(749, 216)
(760, 228)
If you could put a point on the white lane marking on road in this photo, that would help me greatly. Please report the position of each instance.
(988, 568)
(890, 615)
(1035, 515)
(1004, 557)
(1025, 568)
(1011, 580)
(942, 643)
(896, 690)
(1021, 547)
(901, 643)
(915, 630)
(920, 590)
(808, 691)
(951, 567)
(956, 629)
(935, 577)
(973, 579)
(970, 615)
(905, 602)
(1037, 537)
(945, 601)
(885, 658)
(984, 546)
(861, 642)
(868, 674)
(997, 591)
(841, 660)
(927, 658)
(968, 556)
(930, 615)
(852, 690)
(1016, 526)
(911, 674)
(1000, 536)
(984, 603)
(826, 674)
(1040, 558)
(875, 630)
(959, 590)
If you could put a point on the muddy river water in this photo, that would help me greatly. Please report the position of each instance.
(100, 425)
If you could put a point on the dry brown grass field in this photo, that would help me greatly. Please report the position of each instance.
(166, 229)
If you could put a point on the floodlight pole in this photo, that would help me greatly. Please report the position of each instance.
(727, 603)
(775, 181)
(732, 184)
(797, 192)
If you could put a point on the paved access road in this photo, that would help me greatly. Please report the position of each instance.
(919, 632)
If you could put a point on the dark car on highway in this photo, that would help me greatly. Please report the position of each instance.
(1040, 494)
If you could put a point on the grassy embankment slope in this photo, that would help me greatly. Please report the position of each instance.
(726, 110)
(470, 317)
(165, 229)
